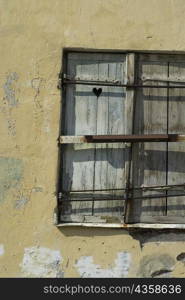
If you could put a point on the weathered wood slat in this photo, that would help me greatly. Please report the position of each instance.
(176, 151)
(86, 114)
(78, 166)
(149, 159)
(109, 164)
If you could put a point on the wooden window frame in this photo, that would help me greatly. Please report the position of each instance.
(129, 139)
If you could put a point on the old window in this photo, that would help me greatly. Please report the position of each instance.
(122, 149)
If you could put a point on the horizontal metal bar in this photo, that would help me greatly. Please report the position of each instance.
(156, 196)
(121, 138)
(123, 199)
(144, 188)
(107, 83)
(162, 80)
(91, 200)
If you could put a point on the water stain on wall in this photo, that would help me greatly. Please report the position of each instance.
(86, 267)
(11, 173)
(24, 196)
(156, 266)
(9, 89)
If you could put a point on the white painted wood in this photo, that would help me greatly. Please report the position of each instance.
(109, 164)
(101, 166)
(78, 165)
(125, 226)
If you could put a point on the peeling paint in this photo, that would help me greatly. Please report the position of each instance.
(41, 262)
(88, 269)
(9, 89)
(11, 173)
(1, 249)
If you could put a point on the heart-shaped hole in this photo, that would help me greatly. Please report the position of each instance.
(97, 92)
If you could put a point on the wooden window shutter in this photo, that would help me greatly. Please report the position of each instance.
(155, 164)
(94, 171)
(123, 182)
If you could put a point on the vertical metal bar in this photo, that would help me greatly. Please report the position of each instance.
(95, 152)
(61, 131)
(129, 110)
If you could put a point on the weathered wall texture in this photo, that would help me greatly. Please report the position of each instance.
(33, 34)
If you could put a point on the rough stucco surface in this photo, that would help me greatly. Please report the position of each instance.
(33, 34)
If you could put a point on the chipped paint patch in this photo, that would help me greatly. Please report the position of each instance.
(41, 262)
(1, 249)
(9, 89)
(11, 172)
(88, 269)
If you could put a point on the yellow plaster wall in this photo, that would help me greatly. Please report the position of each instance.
(33, 34)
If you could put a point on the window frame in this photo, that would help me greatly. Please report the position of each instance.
(130, 93)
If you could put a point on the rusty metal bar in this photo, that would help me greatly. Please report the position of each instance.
(123, 199)
(90, 200)
(128, 138)
(122, 138)
(143, 188)
(162, 80)
(114, 84)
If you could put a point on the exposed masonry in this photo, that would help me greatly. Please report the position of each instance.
(1, 249)
(87, 269)
(41, 262)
